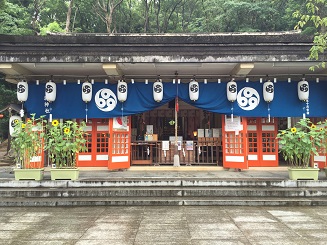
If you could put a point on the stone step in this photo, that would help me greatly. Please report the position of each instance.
(166, 201)
(163, 192)
(151, 182)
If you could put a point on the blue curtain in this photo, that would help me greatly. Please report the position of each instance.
(212, 97)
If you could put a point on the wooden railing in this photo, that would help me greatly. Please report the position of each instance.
(206, 151)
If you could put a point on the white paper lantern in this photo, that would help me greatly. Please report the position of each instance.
(22, 91)
(158, 91)
(231, 91)
(86, 92)
(268, 91)
(122, 91)
(303, 90)
(194, 90)
(12, 122)
(50, 91)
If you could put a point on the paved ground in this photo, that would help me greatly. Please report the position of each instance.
(164, 225)
(180, 225)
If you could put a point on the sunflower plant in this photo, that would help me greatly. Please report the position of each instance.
(28, 141)
(64, 140)
(301, 142)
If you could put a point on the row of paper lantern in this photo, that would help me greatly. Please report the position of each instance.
(268, 91)
(50, 91)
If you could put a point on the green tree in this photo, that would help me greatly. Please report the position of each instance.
(2, 4)
(7, 95)
(105, 9)
(316, 15)
(13, 19)
(53, 27)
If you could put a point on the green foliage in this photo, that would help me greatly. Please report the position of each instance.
(27, 140)
(53, 27)
(156, 16)
(63, 141)
(7, 95)
(13, 19)
(315, 17)
(301, 142)
(2, 4)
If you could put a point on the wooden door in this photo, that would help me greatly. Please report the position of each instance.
(234, 132)
(269, 144)
(97, 137)
(262, 143)
(120, 143)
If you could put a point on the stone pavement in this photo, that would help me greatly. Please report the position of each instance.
(143, 225)
(171, 172)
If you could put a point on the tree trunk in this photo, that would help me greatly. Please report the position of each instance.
(146, 16)
(69, 13)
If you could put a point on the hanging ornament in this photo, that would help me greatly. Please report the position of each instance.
(158, 90)
(50, 94)
(122, 90)
(122, 94)
(22, 95)
(87, 92)
(303, 94)
(50, 91)
(268, 94)
(194, 90)
(232, 95)
(176, 104)
(86, 95)
(303, 90)
(22, 91)
(13, 120)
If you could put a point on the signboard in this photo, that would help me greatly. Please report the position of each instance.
(189, 145)
(233, 124)
(120, 123)
(165, 145)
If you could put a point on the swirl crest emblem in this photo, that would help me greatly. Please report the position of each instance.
(248, 99)
(105, 100)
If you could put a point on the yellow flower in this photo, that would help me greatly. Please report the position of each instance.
(29, 121)
(55, 123)
(23, 125)
(293, 130)
(313, 126)
(321, 129)
(16, 121)
(66, 130)
(283, 132)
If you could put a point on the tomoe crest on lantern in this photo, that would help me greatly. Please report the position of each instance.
(122, 91)
(50, 91)
(158, 90)
(231, 91)
(303, 90)
(87, 92)
(268, 91)
(194, 90)
(22, 91)
(13, 120)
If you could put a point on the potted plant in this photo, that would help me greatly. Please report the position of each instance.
(64, 140)
(298, 145)
(27, 143)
